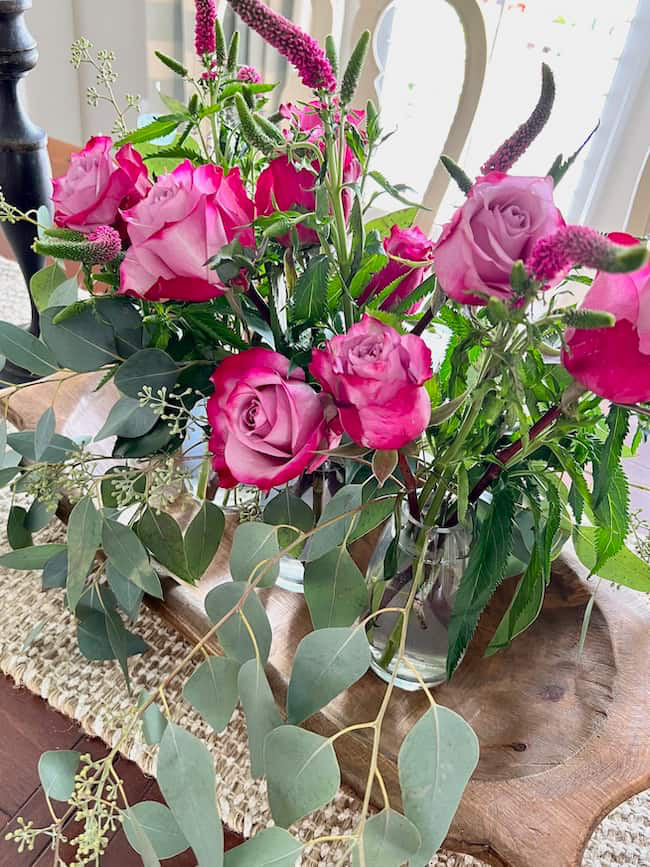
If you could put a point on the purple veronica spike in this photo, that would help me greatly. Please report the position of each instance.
(520, 141)
(298, 47)
(575, 245)
(206, 16)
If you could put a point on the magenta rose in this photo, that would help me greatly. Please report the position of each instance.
(96, 186)
(282, 186)
(614, 363)
(188, 216)
(376, 377)
(410, 244)
(268, 424)
(500, 222)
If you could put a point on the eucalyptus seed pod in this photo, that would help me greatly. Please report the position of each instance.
(354, 68)
(172, 64)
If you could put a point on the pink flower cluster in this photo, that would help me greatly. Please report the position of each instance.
(204, 35)
(571, 245)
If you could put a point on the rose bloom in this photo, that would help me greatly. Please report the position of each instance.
(282, 186)
(376, 377)
(500, 222)
(268, 424)
(188, 216)
(410, 244)
(614, 363)
(96, 186)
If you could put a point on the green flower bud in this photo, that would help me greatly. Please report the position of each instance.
(220, 43)
(250, 130)
(354, 68)
(589, 319)
(233, 54)
(172, 64)
(464, 181)
(332, 54)
(497, 311)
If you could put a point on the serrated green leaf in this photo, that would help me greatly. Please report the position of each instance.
(609, 456)
(56, 771)
(262, 714)
(326, 663)
(310, 293)
(84, 538)
(624, 567)
(612, 517)
(255, 544)
(158, 128)
(302, 773)
(436, 760)
(212, 690)
(233, 635)
(404, 219)
(335, 590)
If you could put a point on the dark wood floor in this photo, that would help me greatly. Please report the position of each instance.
(29, 727)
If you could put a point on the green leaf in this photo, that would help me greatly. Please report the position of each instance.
(273, 847)
(326, 663)
(94, 642)
(158, 439)
(84, 538)
(55, 573)
(58, 450)
(389, 840)
(335, 590)
(118, 638)
(158, 128)
(396, 191)
(288, 509)
(25, 350)
(403, 218)
(8, 475)
(57, 770)
(302, 773)
(187, 779)
(233, 635)
(39, 515)
(127, 419)
(128, 595)
(333, 535)
(148, 368)
(262, 714)
(109, 486)
(609, 456)
(624, 567)
(612, 516)
(44, 433)
(310, 293)
(161, 534)
(212, 690)
(384, 464)
(158, 823)
(374, 513)
(436, 760)
(126, 552)
(83, 342)
(154, 722)
(254, 544)
(18, 535)
(50, 287)
(485, 570)
(139, 840)
(203, 537)
(30, 559)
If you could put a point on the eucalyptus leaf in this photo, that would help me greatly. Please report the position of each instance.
(44, 433)
(162, 536)
(233, 635)
(30, 559)
(333, 531)
(302, 773)
(253, 545)
(203, 537)
(389, 840)
(55, 573)
(84, 538)
(286, 508)
(59, 449)
(118, 638)
(335, 590)
(273, 847)
(139, 840)
(158, 823)
(436, 760)
(148, 368)
(126, 552)
(212, 690)
(158, 439)
(94, 642)
(262, 714)
(154, 722)
(187, 779)
(128, 595)
(127, 419)
(18, 535)
(25, 350)
(82, 342)
(326, 663)
(39, 515)
(57, 770)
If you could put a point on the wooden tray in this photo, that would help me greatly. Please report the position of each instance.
(563, 741)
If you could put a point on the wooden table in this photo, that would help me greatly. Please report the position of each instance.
(562, 741)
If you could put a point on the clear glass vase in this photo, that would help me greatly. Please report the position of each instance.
(427, 633)
(316, 489)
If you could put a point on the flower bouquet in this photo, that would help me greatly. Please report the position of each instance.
(394, 425)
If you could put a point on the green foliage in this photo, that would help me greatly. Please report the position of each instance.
(126, 552)
(58, 450)
(273, 847)
(354, 68)
(84, 538)
(30, 559)
(26, 351)
(310, 293)
(51, 288)
(612, 517)
(389, 840)
(403, 218)
(127, 419)
(150, 368)
(463, 182)
(485, 570)
(233, 635)
(18, 534)
(203, 537)
(326, 663)
(609, 456)
(436, 760)
(624, 567)
(335, 590)
(213, 690)
(44, 433)
(262, 714)
(153, 721)
(57, 770)
(187, 779)
(302, 773)
(158, 823)
(334, 532)
(253, 546)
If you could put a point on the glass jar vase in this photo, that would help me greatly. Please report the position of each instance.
(445, 561)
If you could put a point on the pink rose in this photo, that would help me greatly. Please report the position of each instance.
(499, 224)
(282, 186)
(376, 378)
(614, 363)
(96, 186)
(268, 425)
(410, 244)
(187, 217)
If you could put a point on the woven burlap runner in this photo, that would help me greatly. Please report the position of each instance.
(94, 694)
